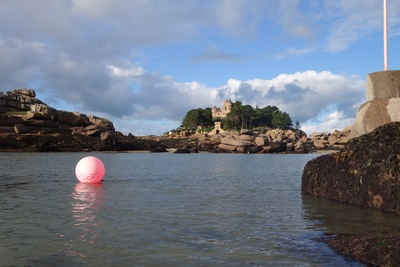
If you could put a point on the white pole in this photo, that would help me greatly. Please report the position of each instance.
(385, 36)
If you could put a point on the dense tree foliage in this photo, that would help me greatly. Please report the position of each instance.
(245, 116)
(197, 117)
(240, 117)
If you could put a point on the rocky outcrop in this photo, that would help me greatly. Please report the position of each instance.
(282, 141)
(101, 122)
(72, 118)
(18, 100)
(25, 114)
(334, 141)
(248, 141)
(28, 124)
(374, 114)
(31, 125)
(366, 172)
(234, 143)
(41, 112)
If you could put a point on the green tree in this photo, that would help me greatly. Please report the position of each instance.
(248, 115)
(206, 117)
(281, 120)
(263, 116)
(197, 117)
(241, 116)
(297, 125)
(233, 120)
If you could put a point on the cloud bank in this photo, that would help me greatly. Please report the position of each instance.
(91, 56)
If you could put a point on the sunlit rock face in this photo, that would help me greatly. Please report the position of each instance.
(375, 113)
(382, 106)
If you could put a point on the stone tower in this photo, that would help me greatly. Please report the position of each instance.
(222, 112)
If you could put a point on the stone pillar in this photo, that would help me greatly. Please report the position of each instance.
(383, 103)
(383, 84)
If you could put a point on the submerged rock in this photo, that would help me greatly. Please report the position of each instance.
(182, 151)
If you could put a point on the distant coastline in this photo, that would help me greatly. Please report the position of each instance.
(28, 124)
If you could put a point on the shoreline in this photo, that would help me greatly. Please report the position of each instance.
(12, 142)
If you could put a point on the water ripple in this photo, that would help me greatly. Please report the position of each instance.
(162, 210)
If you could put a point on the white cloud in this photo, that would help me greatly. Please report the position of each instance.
(304, 95)
(319, 100)
(106, 88)
(84, 54)
(327, 122)
(130, 72)
(163, 113)
(145, 127)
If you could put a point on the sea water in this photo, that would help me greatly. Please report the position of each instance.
(164, 209)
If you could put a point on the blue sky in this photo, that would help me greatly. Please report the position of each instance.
(144, 63)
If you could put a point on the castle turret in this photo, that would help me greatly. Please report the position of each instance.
(214, 111)
(222, 112)
(227, 107)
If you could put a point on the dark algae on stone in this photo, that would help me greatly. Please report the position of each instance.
(366, 173)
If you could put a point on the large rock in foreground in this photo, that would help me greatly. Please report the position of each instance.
(366, 172)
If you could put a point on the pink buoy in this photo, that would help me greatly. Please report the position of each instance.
(90, 170)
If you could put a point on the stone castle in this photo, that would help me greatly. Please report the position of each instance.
(222, 112)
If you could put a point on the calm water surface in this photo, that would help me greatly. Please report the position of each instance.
(169, 210)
